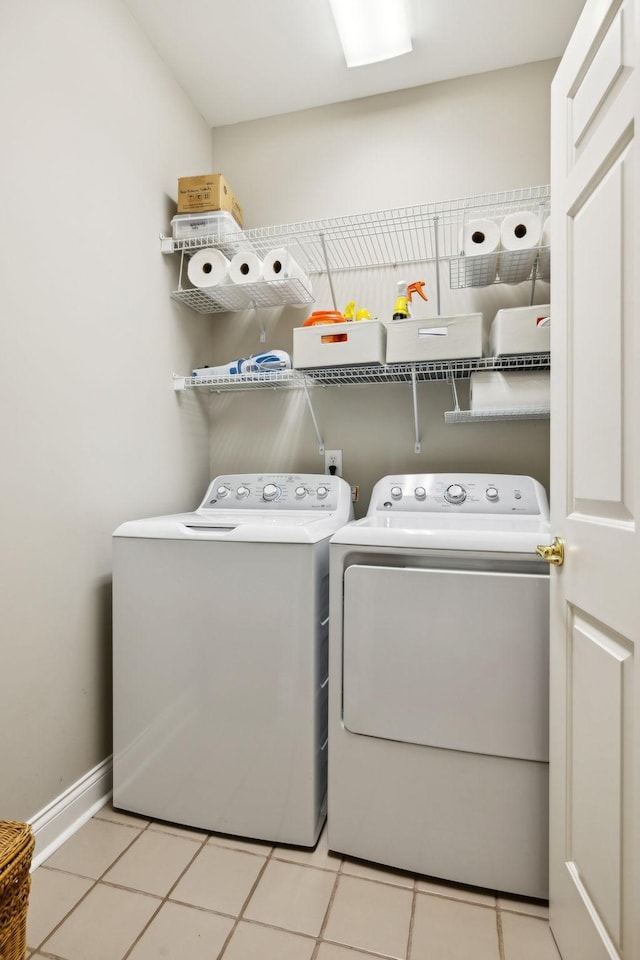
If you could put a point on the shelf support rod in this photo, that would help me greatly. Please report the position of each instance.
(313, 416)
(437, 253)
(452, 384)
(326, 263)
(414, 387)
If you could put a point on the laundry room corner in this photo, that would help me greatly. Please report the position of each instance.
(432, 142)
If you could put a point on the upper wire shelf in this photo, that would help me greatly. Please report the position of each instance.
(404, 235)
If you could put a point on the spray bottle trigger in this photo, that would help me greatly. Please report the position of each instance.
(416, 287)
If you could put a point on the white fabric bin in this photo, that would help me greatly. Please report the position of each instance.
(339, 344)
(439, 338)
(518, 330)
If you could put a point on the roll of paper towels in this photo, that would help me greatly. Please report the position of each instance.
(208, 268)
(519, 237)
(544, 260)
(480, 238)
(246, 268)
(280, 265)
(491, 390)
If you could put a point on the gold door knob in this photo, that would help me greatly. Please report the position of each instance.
(553, 554)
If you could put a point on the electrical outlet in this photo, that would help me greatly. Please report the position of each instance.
(333, 458)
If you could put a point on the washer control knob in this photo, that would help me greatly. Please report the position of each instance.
(323, 492)
(301, 492)
(271, 492)
(420, 493)
(455, 493)
(396, 493)
(222, 492)
(492, 494)
(242, 492)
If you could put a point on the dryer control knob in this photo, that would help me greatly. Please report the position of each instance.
(222, 492)
(323, 493)
(242, 493)
(492, 494)
(420, 493)
(396, 493)
(271, 492)
(301, 492)
(455, 493)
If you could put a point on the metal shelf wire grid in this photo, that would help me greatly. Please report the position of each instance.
(440, 370)
(513, 266)
(368, 374)
(485, 416)
(234, 297)
(388, 237)
(273, 380)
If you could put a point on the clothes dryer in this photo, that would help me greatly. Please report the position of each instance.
(220, 635)
(438, 727)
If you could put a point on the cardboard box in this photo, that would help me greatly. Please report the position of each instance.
(338, 344)
(439, 338)
(207, 192)
(518, 330)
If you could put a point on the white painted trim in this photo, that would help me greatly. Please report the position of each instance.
(67, 813)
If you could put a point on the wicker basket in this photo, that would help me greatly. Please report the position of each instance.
(16, 849)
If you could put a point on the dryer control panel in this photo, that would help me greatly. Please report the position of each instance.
(467, 493)
(277, 491)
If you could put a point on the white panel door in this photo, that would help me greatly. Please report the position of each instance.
(595, 489)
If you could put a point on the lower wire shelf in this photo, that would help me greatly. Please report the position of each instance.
(444, 370)
(487, 416)
(365, 373)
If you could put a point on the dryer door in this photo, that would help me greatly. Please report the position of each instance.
(448, 658)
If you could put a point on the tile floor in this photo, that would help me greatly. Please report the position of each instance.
(124, 887)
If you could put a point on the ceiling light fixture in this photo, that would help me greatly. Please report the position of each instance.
(371, 30)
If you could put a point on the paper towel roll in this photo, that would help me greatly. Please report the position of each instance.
(246, 267)
(280, 265)
(208, 268)
(490, 390)
(480, 238)
(544, 259)
(519, 237)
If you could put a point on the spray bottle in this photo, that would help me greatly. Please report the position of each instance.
(403, 299)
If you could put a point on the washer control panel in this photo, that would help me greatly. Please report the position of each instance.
(469, 493)
(276, 491)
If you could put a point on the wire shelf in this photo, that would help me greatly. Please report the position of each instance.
(273, 380)
(233, 297)
(404, 235)
(423, 372)
(479, 416)
(367, 373)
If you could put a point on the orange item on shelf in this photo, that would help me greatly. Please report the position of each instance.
(326, 316)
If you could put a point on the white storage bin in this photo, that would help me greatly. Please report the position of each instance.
(339, 344)
(214, 224)
(518, 330)
(439, 338)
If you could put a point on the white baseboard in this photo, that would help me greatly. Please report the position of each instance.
(68, 812)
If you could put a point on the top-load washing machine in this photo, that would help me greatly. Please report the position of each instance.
(220, 634)
(438, 703)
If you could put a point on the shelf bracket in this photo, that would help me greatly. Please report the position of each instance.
(437, 255)
(313, 416)
(452, 383)
(414, 388)
(330, 278)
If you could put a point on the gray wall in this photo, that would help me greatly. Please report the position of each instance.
(447, 140)
(94, 133)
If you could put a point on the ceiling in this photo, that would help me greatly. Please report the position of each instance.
(246, 59)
